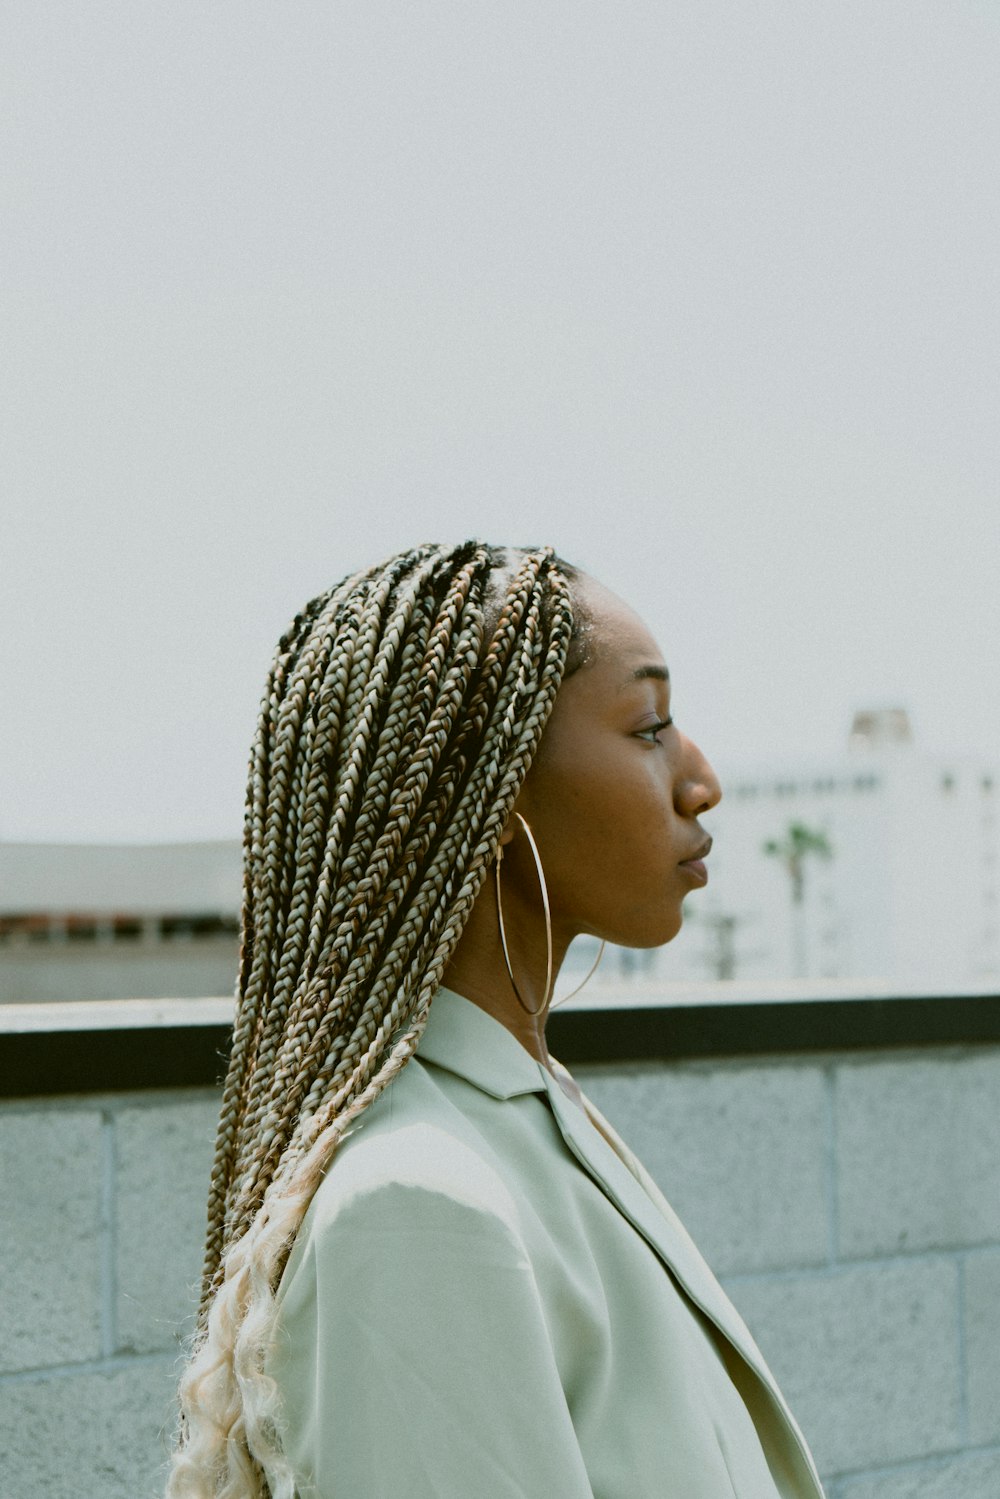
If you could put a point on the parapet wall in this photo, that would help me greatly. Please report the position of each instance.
(848, 1197)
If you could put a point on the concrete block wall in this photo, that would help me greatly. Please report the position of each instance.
(100, 1248)
(850, 1203)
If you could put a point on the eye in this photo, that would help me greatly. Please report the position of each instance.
(653, 730)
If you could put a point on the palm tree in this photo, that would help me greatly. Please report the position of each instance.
(799, 844)
(719, 954)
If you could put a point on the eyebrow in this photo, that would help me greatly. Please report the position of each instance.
(644, 673)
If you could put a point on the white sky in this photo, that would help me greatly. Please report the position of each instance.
(705, 294)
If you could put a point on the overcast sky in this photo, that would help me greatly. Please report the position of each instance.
(704, 293)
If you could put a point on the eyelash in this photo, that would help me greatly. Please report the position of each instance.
(655, 728)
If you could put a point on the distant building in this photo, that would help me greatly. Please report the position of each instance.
(909, 889)
(884, 866)
(117, 921)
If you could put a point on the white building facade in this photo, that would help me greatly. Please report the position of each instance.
(898, 881)
(907, 888)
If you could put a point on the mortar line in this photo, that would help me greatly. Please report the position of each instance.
(926, 1463)
(842, 1268)
(108, 1237)
(963, 1373)
(832, 1207)
(119, 1363)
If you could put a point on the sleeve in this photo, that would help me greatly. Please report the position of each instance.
(414, 1357)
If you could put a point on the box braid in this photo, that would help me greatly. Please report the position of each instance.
(399, 719)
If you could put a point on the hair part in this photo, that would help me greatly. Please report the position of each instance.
(400, 715)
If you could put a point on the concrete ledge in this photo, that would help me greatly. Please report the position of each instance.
(114, 1045)
(755, 1029)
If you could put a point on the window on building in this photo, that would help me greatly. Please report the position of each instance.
(81, 929)
(197, 925)
(126, 928)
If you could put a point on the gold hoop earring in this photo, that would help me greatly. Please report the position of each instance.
(583, 983)
(548, 921)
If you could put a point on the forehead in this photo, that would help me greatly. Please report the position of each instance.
(619, 641)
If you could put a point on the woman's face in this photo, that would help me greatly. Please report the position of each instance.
(615, 791)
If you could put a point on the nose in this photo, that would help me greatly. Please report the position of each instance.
(697, 789)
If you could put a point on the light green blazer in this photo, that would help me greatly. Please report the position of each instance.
(486, 1301)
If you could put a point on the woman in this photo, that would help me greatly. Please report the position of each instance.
(432, 1268)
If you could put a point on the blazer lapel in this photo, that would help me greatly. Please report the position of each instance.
(633, 1191)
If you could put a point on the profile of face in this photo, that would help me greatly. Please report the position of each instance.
(615, 791)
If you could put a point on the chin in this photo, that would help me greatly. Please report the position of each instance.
(659, 932)
(674, 929)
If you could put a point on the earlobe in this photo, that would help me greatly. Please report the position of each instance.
(521, 808)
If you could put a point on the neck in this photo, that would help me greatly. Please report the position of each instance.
(479, 973)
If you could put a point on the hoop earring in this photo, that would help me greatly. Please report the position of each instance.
(548, 921)
(582, 984)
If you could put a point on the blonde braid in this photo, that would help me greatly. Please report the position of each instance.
(395, 732)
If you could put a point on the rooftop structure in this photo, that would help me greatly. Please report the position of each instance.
(110, 921)
(882, 861)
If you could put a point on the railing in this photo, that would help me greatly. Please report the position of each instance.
(107, 1045)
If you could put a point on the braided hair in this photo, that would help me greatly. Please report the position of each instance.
(399, 719)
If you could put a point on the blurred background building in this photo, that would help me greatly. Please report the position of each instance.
(880, 862)
(117, 921)
(877, 863)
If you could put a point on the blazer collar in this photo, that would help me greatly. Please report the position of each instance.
(634, 1192)
(464, 1039)
(628, 1186)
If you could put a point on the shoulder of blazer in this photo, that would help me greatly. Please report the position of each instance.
(414, 1137)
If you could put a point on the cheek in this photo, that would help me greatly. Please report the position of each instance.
(609, 801)
(624, 814)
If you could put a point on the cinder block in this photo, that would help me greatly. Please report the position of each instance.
(866, 1357)
(88, 1436)
(50, 1240)
(982, 1346)
(975, 1477)
(164, 1156)
(739, 1152)
(918, 1154)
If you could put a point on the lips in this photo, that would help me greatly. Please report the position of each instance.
(701, 852)
(695, 866)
